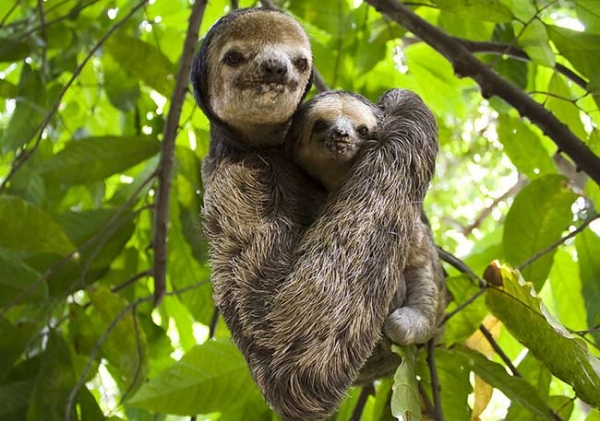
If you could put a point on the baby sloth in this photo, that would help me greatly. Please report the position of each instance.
(324, 139)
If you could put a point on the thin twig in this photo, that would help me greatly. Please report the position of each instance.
(131, 281)
(488, 211)
(165, 164)
(435, 382)
(554, 245)
(214, 319)
(366, 391)
(492, 84)
(499, 350)
(463, 305)
(320, 83)
(10, 12)
(235, 4)
(429, 409)
(24, 157)
(44, 64)
(459, 265)
(268, 4)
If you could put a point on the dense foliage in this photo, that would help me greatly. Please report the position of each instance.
(86, 87)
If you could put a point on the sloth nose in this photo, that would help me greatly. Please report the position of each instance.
(273, 70)
(339, 133)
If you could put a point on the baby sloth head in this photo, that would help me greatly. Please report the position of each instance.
(327, 132)
(253, 69)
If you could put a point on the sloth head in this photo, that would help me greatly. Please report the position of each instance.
(253, 69)
(328, 130)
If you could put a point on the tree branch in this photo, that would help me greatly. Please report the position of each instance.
(435, 382)
(465, 64)
(167, 151)
(516, 52)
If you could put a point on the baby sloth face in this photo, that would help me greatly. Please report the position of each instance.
(327, 132)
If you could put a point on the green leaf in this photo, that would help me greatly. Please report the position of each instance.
(562, 105)
(122, 90)
(7, 89)
(538, 376)
(533, 38)
(588, 12)
(462, 324)
(581, 49)
(567, 291)
(516, 389)
(95, 158)
(562, 405)
(125, 347)
(143, 61)
(406, 400)
(588, 244)
(516, 304)
(26, 229)
(524, 147)
(536, 219)
(12, 50)
(28, 113)
(487, 10)
(13, 339)
(212, 377)
(19, 280)
(54, 383)
(14, 396)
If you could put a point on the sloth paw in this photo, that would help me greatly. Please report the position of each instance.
(406, 326)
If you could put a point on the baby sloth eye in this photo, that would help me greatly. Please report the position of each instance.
(363, 130)
(319, 125)
(233, 58)
(301, 64)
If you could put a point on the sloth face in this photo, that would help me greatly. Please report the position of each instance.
(259, 69)
(331, 129)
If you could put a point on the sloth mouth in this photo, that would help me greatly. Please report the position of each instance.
(340, 146)
(262, 87)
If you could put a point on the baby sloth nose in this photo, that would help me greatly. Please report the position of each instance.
(273, 70)
(339, 133)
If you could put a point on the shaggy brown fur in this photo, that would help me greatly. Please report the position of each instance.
(301, 302)
(324, 138)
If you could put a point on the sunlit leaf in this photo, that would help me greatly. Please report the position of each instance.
(95, 158)
(538, 217)
(406, 403)
(211, 377)
(588, 244)
(522, 312)
(27, 229)
(488, 10)
(581, 49)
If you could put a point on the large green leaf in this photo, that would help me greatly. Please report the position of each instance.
(515, 388)
(524, 147)
(462, 324)
(537, 218)
(567, 291)
(212, 377)
(562, 105)
(516, 304)
(26, 229)
(533, 38)
(487, 10)
(28, 113)
(13, 339)
(19, 280)
(95, 158)
(581, 49)
(588, 247)
(588, 12)
(125, 346)
(406, 401)
(143, 61)
(14, 396)
(54, 383)
(539, 377)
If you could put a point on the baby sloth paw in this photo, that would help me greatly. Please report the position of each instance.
(406, 326)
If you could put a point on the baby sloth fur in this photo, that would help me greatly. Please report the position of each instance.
(304, 297)
(324, 138)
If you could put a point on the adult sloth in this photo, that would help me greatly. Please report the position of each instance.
(304, 304)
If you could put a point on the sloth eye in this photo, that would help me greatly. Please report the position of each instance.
(301, 64)
(233, 58)
(363, 130)
(320, 125)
